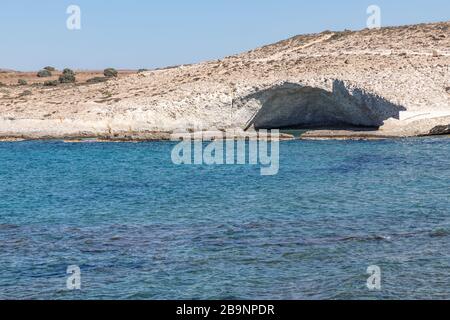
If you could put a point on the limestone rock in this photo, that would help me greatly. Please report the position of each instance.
(392, 84)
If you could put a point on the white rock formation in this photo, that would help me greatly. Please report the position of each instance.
(395, 81)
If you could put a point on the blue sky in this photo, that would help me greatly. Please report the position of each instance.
(147, 34)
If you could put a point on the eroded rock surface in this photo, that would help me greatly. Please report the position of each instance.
(440, 130)
(368, 78)
(290, 105)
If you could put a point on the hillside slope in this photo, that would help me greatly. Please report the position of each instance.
(392, 82)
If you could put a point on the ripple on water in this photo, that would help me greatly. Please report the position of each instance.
(142, 228)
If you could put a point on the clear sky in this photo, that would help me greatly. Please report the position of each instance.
(156, 33)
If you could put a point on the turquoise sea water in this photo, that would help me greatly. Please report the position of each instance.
(140, 227)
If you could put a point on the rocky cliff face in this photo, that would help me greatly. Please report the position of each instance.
(290, 105)
(393, 81)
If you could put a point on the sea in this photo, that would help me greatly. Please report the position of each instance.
(340, 220)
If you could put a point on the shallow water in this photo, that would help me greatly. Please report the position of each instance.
(141, 227)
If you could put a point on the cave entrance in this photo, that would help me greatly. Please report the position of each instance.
(296, 107)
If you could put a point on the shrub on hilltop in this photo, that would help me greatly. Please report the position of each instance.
(110, 73)
(68, 76)
(51, 83)
(96, 80)
(51, 69)
(44, 74)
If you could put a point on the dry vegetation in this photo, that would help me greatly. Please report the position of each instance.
(11, 78)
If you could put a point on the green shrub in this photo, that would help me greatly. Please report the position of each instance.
(96, 80)
(51, 83)
(142, 70)
(110, 73)
(51, 69)
(68, 76)
(68, 71)
(22, 82)
(44, 74)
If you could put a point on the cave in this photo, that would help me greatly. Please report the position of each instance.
(295, 106)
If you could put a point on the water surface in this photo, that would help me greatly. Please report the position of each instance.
(140, 227)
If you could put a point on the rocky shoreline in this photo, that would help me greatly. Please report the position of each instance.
(393, 82)
(316, 135)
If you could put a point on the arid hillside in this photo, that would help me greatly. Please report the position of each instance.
(11, 77)
(389, 82)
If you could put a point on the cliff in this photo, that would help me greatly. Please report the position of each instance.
(391, 82)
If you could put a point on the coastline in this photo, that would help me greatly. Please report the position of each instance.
(166, 137)
(394, 79)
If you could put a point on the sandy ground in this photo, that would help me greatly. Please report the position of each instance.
(407, 67)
